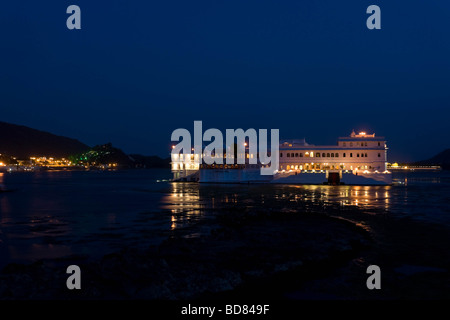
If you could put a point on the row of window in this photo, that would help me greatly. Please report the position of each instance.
(362, 144)
(324, 155)
(319, 166)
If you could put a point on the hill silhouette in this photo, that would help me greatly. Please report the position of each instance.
(24, 142)
(441, 159)
(141, 161)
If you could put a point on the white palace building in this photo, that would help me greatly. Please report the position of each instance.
(359, 159)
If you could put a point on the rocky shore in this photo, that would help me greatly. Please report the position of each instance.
(244, 246)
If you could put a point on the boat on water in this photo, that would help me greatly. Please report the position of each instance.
(358, 159)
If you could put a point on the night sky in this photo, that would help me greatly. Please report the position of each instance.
(137, 70)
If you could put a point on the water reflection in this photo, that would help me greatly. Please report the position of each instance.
(418, 195)
(370, 197)
(183, 202)
(5, 206)
(121, 209)
(190, 202)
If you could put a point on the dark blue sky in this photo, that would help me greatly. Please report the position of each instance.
(140, 69)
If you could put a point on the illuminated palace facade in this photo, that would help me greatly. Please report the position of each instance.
(359, 159)
(358, 152)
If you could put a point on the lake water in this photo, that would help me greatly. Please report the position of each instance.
(57, 213)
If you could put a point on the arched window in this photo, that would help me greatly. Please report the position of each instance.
(344, 154)
(336, 155)
(317, 154)
(328, 155)
(365, 155)
(357, 155)
(323, 155)
(288, 154)
(351, 155)
(296, 155)
(332, 155)
(292, 154)
(301, 155)
(281, 154)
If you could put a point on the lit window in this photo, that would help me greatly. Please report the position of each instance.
(317, 154)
